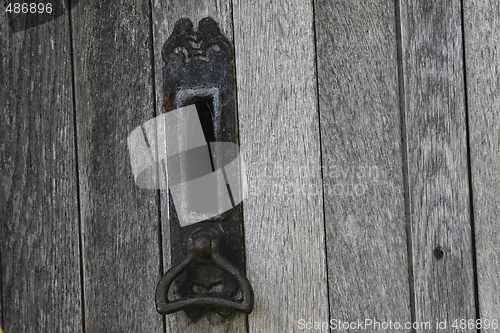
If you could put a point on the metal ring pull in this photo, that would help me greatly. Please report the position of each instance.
(203, 246)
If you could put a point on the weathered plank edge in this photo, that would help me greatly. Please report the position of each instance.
(404, 155)
(69, 27)
(482, 58)
(469, 169)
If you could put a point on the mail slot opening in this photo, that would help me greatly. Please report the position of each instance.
(205, 109)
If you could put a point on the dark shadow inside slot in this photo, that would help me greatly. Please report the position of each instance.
(205, 109)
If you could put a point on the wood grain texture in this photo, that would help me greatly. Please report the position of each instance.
(279, 136)
(114, 95)
(165, 14)
(437, 160)
(362, 160)
(482, 54)
(38, 206)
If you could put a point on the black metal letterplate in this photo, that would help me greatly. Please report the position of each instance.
(208, 258)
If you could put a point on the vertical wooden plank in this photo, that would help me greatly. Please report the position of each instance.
(437, 160)
(482, 54)
(279, 135)
(165, 14)
(3, 196)
(114, 95)
(362, 160)
(38, 208)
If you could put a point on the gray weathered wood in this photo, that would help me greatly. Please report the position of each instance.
(279, 136)
(362, 160)
(38, 207)
(126, 246)
(437, 160)
(482, 54)
(165, 14)
(120, 223)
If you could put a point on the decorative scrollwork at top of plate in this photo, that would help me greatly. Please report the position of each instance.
(191, 45)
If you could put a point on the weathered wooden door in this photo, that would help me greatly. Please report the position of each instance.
(370, 132)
